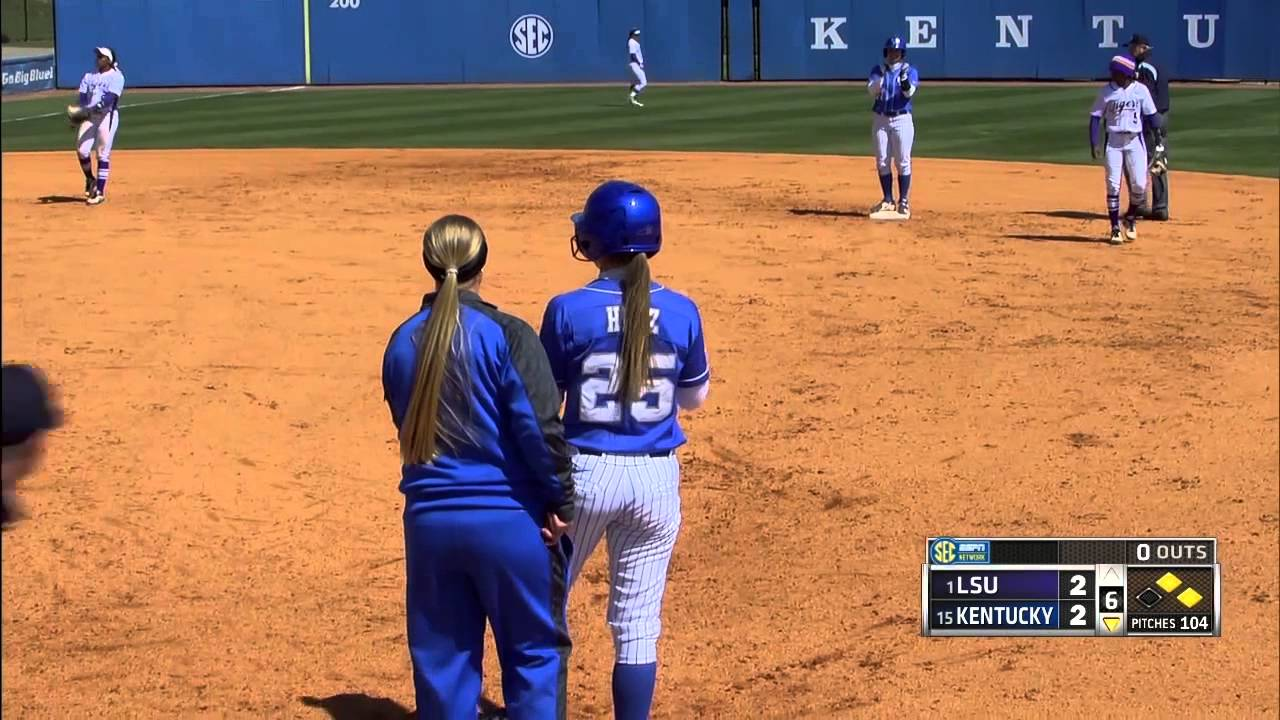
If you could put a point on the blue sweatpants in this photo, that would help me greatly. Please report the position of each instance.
(466, 566)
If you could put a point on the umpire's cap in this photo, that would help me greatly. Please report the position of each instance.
(1140, 39)
(27, 405)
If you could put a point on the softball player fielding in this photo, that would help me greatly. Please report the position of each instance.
(98, 113)
(893, 83)
(1125, 108)
(627, 353)
(635, 61)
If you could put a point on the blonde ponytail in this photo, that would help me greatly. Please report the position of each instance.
(432, 421)
(634, 370)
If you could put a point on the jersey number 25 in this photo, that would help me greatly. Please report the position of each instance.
(598, 396)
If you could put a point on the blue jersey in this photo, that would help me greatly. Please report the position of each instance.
(582, 334)
(892, 100)
(519, 458)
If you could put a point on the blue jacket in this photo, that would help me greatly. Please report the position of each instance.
(519, 458)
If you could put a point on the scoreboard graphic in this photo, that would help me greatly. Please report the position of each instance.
(1115, 587)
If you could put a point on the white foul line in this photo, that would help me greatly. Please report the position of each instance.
(168, 101)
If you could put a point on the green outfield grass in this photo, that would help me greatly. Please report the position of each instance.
(1227, 130)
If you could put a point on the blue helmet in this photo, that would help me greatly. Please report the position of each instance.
(619, 218)
(894, 43)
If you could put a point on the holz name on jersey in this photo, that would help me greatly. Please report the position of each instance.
(614, 315)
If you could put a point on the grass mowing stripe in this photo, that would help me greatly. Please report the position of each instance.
(1042, 122)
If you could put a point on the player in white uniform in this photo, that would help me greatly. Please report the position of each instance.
(1124, 107)
(100, 93)
(635, 60)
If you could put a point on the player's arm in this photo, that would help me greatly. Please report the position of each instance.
(529, 392)
(637, 57)
(695, 377)
(1151, 119)
(875, 81)
(84, 90)
(1095, 124)
(908, 80)
(555, 334)
(397, 366)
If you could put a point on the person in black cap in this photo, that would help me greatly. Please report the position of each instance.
(29, 413)
(1157, 140)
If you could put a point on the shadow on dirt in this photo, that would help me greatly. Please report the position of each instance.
(359, 706)
(828, 213)
(1059, 238)
(1067, 214)
(55, 199)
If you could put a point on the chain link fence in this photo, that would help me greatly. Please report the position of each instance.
(26, 22)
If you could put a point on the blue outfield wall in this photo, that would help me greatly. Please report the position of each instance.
(1049, 39)
(183, 42)
(269, 42)
(250, 42)
(463, 41)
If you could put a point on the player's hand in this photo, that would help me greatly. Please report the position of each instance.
(554, 530)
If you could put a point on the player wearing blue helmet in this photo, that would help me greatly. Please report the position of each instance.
(893, 83)
(627, 353)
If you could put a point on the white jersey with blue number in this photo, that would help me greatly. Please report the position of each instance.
(1122, 108)
(582, 334)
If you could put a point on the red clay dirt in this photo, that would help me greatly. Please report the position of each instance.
(217, 531)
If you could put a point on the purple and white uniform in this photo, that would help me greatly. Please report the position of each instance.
(100, 93)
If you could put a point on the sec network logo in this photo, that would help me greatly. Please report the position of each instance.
(531, 36)
(949, 551)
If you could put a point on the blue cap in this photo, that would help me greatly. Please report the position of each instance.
(27, 409)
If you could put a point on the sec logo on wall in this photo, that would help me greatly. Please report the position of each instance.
(531, 36)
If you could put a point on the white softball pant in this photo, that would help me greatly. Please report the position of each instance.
(1127, 152)
(633, 502)
(99, 131)
(641, 79)
(891, 137)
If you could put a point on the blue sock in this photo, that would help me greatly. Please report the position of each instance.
(633, 690)
(86, 167)
(904, 186)
(886, 185)
(1113, 210)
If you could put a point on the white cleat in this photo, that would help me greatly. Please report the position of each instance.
(636, 102)
(1117, 237)
(1130, 229)
(96, 199)
(883, 206)
(904, 210)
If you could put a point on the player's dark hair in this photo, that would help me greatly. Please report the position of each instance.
(452, 249)
(634, 372)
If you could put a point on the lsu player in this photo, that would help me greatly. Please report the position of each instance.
(893, 83)
(627, 353)
(1125, 109)
(635, 60)
(99, 110)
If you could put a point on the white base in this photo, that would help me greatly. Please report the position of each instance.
(889, 215)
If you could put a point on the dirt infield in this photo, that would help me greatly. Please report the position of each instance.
(217, 532)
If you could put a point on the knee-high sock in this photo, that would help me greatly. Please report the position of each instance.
(104, 171)
(1113, 209)
(904, 186)
(633, 690)
(86, 166)
(886, 185)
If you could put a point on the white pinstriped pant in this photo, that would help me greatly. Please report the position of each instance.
(634, 502)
